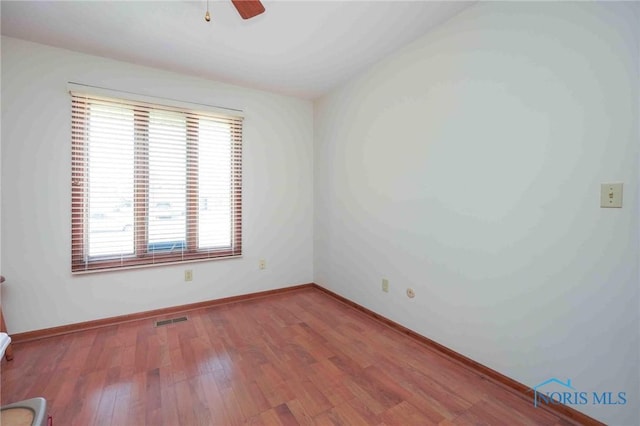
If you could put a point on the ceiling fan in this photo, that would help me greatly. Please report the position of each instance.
(246, 8)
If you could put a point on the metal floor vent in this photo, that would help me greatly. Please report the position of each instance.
(170, 321)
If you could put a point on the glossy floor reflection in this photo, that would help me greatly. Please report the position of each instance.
(295, 358)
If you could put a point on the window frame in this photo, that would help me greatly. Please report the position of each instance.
(143, 254)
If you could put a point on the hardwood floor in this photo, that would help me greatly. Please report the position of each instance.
(295, 358)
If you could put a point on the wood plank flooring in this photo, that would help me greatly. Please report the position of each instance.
(295, 358)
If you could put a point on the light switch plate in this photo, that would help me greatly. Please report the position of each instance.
(385, 285)
(611, 195)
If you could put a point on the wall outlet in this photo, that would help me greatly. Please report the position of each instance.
(188, 275)
(611, 195)
(385, 285)
(262, 264)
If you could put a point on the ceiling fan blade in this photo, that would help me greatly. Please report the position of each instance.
(248, 8)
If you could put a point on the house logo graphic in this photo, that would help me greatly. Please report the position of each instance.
(558, 392)
(549, 381)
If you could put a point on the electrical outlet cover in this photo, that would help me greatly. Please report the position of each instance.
(611, 195)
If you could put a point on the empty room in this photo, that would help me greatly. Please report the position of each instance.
(224, 212)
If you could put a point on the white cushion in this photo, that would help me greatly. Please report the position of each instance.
(4, 342)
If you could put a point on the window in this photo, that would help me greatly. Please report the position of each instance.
(153, 184)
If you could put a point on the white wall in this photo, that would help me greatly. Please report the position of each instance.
(468, 166)
(0, 184)
(40, 291)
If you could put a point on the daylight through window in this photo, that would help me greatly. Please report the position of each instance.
(153, 184)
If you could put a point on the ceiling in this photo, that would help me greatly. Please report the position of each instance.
(298, 48)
